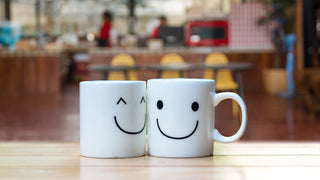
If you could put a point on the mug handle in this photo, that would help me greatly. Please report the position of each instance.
(216, 99)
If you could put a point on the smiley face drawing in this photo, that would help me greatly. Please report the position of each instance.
(180, 117)
(194, 107)
(122, 102)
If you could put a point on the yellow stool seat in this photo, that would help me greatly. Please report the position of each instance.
(224, 86)
(171, 59)
(122, 60)
(224, 80)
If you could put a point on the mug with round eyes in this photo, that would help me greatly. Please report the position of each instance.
(181, 117)
(112, 118)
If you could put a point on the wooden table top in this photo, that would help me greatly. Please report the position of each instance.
(172, 67)
(241, 160)
(230, 66)
(110, 68)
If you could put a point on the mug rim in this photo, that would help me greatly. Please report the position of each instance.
(112, 82)
(181, 80)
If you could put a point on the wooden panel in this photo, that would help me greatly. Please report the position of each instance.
(24, 72)
(53, 77)
(14, 75)
(41, 74)
(30, 76)
(3, 74)
(194, 58)
(144, 59)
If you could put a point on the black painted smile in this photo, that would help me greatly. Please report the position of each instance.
(128, 132)
(178, 138)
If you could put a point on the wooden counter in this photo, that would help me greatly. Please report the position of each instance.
(40, 71)
(230, 161)
(29, 72)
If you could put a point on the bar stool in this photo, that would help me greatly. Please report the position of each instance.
(171, 59)
(123, 60)
(224, 79)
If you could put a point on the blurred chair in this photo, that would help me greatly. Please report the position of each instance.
(308, 85)
(224, 79)
(122, 60)
(171, 59)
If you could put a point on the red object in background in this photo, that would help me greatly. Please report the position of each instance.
(207, 33)
(105, 33)
(155, 33)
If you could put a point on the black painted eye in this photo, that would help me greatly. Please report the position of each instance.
(195, 106)
(160, 104)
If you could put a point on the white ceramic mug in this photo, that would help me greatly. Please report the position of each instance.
(112, 118)
(181, 117)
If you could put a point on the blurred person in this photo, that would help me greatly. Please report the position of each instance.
(105, 31)
(156, 31)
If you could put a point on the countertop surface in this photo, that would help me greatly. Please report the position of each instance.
(179, 50)
(136, 50)
(240, 160)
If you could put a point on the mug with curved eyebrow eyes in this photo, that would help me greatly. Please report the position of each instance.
(112, 118)
(181, 117)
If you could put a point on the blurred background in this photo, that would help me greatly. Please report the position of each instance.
(270, 49)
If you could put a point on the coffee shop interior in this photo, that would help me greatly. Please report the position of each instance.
(48, 47)
(267, 51)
